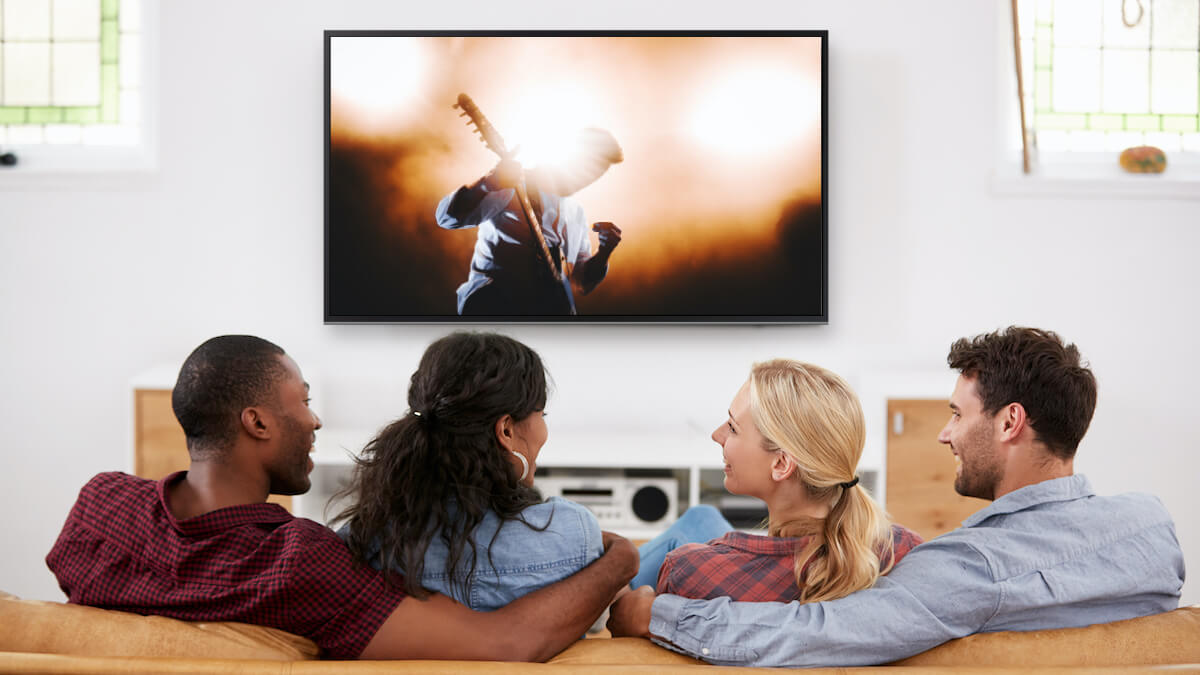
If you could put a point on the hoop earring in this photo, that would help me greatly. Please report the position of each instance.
(524, 465)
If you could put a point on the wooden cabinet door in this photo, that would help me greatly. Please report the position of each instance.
(920, 471)
(160, 448)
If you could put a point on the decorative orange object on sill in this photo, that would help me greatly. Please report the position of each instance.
(1143, 159)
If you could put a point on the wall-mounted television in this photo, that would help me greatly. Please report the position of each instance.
(576, 176)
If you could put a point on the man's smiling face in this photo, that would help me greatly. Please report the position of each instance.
(971, 436)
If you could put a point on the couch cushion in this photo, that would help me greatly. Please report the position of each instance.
(1171, 637)
(58, 628)
(620, 651)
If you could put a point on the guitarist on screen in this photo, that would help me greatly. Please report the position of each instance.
(532, 252)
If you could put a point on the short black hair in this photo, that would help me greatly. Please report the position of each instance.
(218, 380)
(1037, 369)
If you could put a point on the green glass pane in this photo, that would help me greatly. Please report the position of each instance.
(12, 115)
(81, 115)
(1060, 121)
(109, 41)
(1042, 90)
(1181, 123)
(1043, 47)
(109, 94)
(109, 108)
(1106, 122)
(1143, 122)
(45, 115)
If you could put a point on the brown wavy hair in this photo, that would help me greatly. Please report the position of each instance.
(439, 472)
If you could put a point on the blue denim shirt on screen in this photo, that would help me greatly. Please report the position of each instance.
(522, 559)
(1050, 555)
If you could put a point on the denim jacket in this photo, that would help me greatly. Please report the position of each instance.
(1050, 555)
(522, 559)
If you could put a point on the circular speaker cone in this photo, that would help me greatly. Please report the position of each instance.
(650, 503)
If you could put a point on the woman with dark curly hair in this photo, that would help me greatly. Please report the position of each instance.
(444, 495)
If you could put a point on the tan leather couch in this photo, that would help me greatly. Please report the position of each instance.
(51, 637)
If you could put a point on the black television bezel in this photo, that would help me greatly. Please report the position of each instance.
(790, 319)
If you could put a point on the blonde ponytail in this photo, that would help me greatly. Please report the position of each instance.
(812, 414)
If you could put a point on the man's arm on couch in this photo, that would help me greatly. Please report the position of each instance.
(534, 627)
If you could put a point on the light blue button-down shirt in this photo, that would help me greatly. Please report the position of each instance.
(522, 559)
(1050, 555)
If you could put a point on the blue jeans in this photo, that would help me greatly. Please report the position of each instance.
(697, 525)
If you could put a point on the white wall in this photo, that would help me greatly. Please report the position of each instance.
(98, 285)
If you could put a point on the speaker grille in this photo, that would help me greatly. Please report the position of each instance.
(650, 504)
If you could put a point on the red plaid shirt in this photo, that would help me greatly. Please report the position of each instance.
(747, 567)
(256, 563)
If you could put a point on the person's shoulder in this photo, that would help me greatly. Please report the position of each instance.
(113, 489)
(902, 535)
(572, 514)
(311, 532)
(556, 504)
(903, 541)
(1136, 507)
(570, 208)
(310, 548)
(694, 549)
(117, 480)
(685, 558)
(573, 523)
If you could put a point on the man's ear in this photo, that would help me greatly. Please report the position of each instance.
(504, 432)
(782, 467)
(1011, 421)
(254, 422)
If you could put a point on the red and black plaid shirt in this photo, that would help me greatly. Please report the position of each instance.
(747, 567)
(256, 563)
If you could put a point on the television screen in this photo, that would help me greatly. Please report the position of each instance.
(576, 176)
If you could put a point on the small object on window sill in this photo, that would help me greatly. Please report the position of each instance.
(1143, 159)
(8, 159)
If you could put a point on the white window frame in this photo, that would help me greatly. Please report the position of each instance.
(1070, 174)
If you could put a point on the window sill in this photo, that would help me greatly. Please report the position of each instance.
(111, 168)
(1097, 178)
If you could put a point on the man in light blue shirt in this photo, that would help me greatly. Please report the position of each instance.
(1047, 553)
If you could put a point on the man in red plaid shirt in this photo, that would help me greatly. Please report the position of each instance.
(204, 545)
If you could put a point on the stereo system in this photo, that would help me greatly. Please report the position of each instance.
(618, 500)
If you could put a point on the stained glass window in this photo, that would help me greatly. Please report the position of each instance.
(69, 72)
(1104, 75)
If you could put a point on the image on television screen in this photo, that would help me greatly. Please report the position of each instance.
(575, 176)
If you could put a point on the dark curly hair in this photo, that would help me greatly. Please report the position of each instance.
(440, 472)
(217, 381)
(1037, 369)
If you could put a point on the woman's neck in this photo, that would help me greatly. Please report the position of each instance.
(792, 512)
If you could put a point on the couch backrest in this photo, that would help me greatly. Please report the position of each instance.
(34, 626)
(1171, 637)
(57, 628)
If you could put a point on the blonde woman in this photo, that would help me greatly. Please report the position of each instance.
(794, 436)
